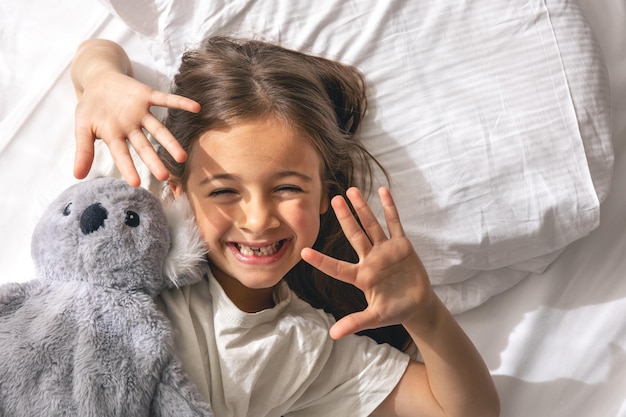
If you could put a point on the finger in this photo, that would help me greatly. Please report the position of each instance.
(173, 101)
(84, 154)
(124, 162)
(392, 217)
(148, 154)
(164, 137)
(351, 228)
(343, 271)
(353, 323)
(369, 221)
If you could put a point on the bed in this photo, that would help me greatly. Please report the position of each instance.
(502, 123)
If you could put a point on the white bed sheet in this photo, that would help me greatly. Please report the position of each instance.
(555, 343)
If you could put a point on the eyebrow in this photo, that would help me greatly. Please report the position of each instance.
(284, 174)
(233, 177)
(217, 177)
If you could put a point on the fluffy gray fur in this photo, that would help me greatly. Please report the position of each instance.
(86, 338)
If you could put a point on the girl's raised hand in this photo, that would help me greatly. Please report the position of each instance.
(115, 107)
(389, 270)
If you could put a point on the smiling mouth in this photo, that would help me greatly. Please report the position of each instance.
(259, 251)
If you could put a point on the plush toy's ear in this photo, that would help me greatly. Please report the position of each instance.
(186, 259)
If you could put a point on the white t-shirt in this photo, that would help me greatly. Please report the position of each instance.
(277, 362)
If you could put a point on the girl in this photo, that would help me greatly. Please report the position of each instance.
(267, 153)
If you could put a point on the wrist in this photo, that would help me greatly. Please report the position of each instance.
(428, 319)
(95, 57)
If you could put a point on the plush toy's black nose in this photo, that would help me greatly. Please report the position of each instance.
(93, 218)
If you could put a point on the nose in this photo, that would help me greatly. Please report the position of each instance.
(258, 216)
(93, 218)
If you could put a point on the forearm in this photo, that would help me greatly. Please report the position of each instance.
(456, 374)
(95, 57)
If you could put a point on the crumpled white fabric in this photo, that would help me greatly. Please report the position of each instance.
(491, 116)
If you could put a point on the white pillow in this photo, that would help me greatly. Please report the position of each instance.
(492, 116)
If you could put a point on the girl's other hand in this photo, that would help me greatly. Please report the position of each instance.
(389, 271)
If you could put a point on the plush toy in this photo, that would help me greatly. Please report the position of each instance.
(86, 337)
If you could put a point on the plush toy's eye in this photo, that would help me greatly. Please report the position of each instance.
(67, 210)
(132, 219)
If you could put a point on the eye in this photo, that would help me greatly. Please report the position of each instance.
(221, 192)
(224, 195)
(289, 189)
(132, 219)
(67, 210)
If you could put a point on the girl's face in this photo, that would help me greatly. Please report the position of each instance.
(257, 194)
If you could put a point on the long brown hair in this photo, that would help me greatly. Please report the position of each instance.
(235, 80)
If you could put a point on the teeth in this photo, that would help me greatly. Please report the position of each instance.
(264, 251)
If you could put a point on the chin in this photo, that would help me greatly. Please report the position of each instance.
(260, 283)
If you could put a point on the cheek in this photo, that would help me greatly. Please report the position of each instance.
(212, 223)
(309, 220)
(208, 230)
(305, 218)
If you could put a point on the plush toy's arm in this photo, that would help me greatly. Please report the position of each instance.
(13, 295)
(175, 396)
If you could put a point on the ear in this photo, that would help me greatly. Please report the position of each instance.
(176, 186)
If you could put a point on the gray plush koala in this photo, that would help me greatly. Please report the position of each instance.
(86, 338)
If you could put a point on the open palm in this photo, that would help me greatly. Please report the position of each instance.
(389, 271)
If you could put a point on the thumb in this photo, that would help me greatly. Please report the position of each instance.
(353, 323)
